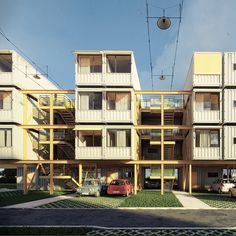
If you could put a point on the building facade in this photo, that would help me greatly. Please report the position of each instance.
(175, 139)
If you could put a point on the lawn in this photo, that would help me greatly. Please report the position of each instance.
(152, 198)
(87, 202)
(216, 200)
(9, 186)
(15, 197)
(142, 199)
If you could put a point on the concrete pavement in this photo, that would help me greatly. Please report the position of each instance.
(37, 203)
(189, 201)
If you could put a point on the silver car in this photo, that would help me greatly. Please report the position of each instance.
(90, 188)
(232, 192)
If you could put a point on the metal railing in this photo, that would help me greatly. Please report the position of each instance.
(58, 101)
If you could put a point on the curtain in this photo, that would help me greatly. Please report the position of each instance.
(204, 138)
(2, 138)
(199, 101)
(84, 65)
(7, 101)
(8, 138)
(84, 102)
(122, 101)
(121, 138)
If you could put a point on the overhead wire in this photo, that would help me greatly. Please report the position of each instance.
(149, 43)
(176, 45)
(29, 58)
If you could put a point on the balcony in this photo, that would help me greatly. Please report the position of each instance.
(206, 80)
(6, 153)
(94, 153)
(118, 116)
(206, 153)
(118, 153)
(206, 116)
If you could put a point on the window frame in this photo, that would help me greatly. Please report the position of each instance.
(91, 63)
(5, 137)
(127, 131)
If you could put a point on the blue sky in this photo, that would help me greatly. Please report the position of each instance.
(50, 30)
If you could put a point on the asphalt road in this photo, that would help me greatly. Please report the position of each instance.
(118, 217)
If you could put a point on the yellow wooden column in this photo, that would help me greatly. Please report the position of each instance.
(25, 183)
(162, 145)
(184, 177)
(190, 179)
(25, 108)
(51, 145)
(135, 179)
(80, 174)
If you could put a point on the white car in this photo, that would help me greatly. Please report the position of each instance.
(222, 185)
(232, 192)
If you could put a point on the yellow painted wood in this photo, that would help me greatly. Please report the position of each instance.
(39, 91)
(87, 128)
(159, 142)
(207, 63)
(162, 179)
(135, 179)
(25, 179)
(159, 177)
(160, 127)
(80, 173)
(190, 179)
(57, 126)
(56, 177)
(164, 92)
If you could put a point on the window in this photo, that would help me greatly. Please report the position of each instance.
(5, 137)
(234, 140)
(118, 101)
(118, 138)
(90, 64)
(207, 138)
(234, 65)
(90, 101)
(234, 103)
(119, 64)
(5, 100)
(212, 175)
(90, 138)
(207, 101)
(5, 62)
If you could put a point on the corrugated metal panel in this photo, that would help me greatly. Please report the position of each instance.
(118, 153)
(94, 153)
(229, 72)
(207, 80)
(89, 116)
(206, 116)
(229, 108)
(118, 116)
(229, 146)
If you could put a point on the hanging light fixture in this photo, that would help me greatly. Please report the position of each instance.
(163, 22)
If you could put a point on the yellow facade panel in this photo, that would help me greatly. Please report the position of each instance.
(207, 63)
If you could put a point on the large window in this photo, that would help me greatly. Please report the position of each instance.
(90, 138)
(5, 62)
(118, 101)
(207, 138)
(90, 101)
(89, 64)
(119, 64)
(5, 137)
(118, 138)
(207, 101)
(5, 100)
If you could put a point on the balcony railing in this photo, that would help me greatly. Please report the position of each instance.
(58, 101)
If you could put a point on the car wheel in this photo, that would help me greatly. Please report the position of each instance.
(219, 191)
(97, 194)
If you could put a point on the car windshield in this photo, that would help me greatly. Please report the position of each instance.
(117, 182)
(91, 182)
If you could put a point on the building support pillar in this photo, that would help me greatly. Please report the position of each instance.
(80, 174)
(162, 145)
(184, 177)
(51, 148)
(25, 180)
(135, 179)
(190, 179)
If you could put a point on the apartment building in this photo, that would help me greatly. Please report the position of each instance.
(211, 112)
(181, 139)
(105, 113)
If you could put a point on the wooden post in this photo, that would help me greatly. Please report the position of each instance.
(25, 182)
(190, 179)
(51, 143)
(135, 179)
(80, 174)
(184, 177)
(162, 145)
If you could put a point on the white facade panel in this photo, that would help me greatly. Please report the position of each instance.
(206, 116)
(120, 153)
(94, 153)
(229, 145)
(92, 78)
(89, 116)
(229, 69)
(118, 116)
(229, 105)
(118, 79)
(206, 153)
(207, 80)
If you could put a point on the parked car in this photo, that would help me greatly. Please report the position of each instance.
(152, 183)
(232, 192)
(90, 187)
(222, 185)
(120, 187)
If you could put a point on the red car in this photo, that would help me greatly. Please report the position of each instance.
(120, 187)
